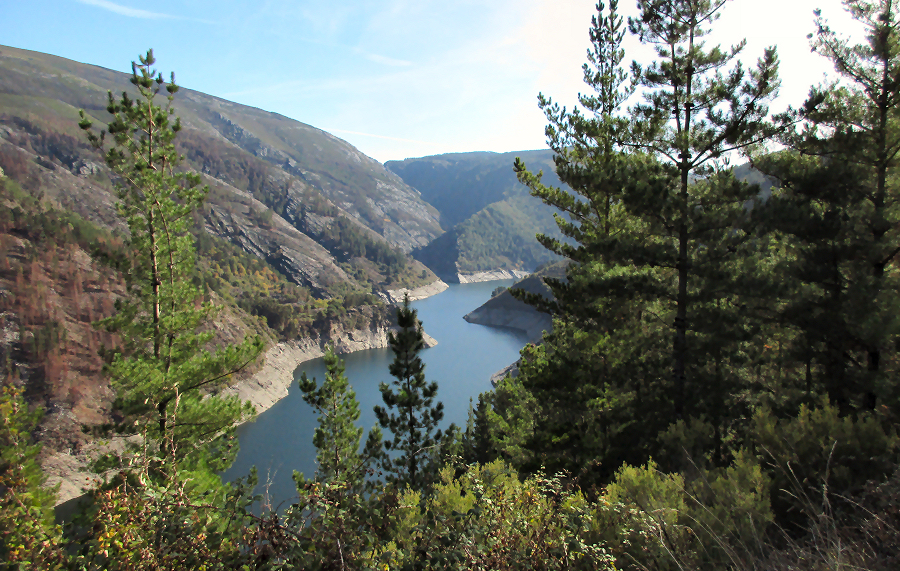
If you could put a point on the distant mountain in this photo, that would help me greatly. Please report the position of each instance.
(311, 205)
(747, 173)
(492, 217)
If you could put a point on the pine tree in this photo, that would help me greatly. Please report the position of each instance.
(587, 370)
(696, 110)
(836, 211)
(333, 506)
(413, 425)
(648, 321)
(587, 153)
(337, 439)
(476, 444)
(164, 377)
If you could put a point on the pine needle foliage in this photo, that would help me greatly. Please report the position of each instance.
(163, 373)
(410, 413)
(700, 104)
(838, 214)
(337, 438)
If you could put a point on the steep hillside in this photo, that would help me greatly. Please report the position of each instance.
(300, 240)
(493, 218)
(500, 236)
(461, 184)
(310, 204)
(59, 275)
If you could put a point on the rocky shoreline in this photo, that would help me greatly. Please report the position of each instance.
(532, 323)
(71, 471)
(396, 295)
(511, 371)
(491, 275)
(503, 310)
(271, 383)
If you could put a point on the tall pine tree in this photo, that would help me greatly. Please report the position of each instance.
(164, 377)
(593, 375)
(837, 213)
(700, 104)
(410, 413)
(337, 438)
(656, 228)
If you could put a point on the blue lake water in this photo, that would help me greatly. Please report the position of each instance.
(280, 440)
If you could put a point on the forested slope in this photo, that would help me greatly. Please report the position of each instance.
(491, 218)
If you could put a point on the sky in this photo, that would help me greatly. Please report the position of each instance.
(395, 78)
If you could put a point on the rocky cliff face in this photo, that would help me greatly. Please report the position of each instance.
(280, 188)
(291, 252)
(354, 182)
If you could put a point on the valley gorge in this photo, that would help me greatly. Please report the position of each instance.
(246, 324)
(302, 239)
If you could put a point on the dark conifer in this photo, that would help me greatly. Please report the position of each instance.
(649, 324)
(836, 216)
(699, 105)
(410, 413)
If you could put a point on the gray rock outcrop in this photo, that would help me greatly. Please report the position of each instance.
(396, 295)
(490, 275)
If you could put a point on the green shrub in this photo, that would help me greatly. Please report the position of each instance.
(817, 452)
(489, 519)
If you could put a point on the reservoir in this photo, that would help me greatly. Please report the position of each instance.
(280, 440)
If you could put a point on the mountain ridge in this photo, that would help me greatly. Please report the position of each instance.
(363, 207)
(492, 218)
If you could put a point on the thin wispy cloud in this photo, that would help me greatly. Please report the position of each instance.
(126, 11)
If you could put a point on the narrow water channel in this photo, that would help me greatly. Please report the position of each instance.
(280, 440)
